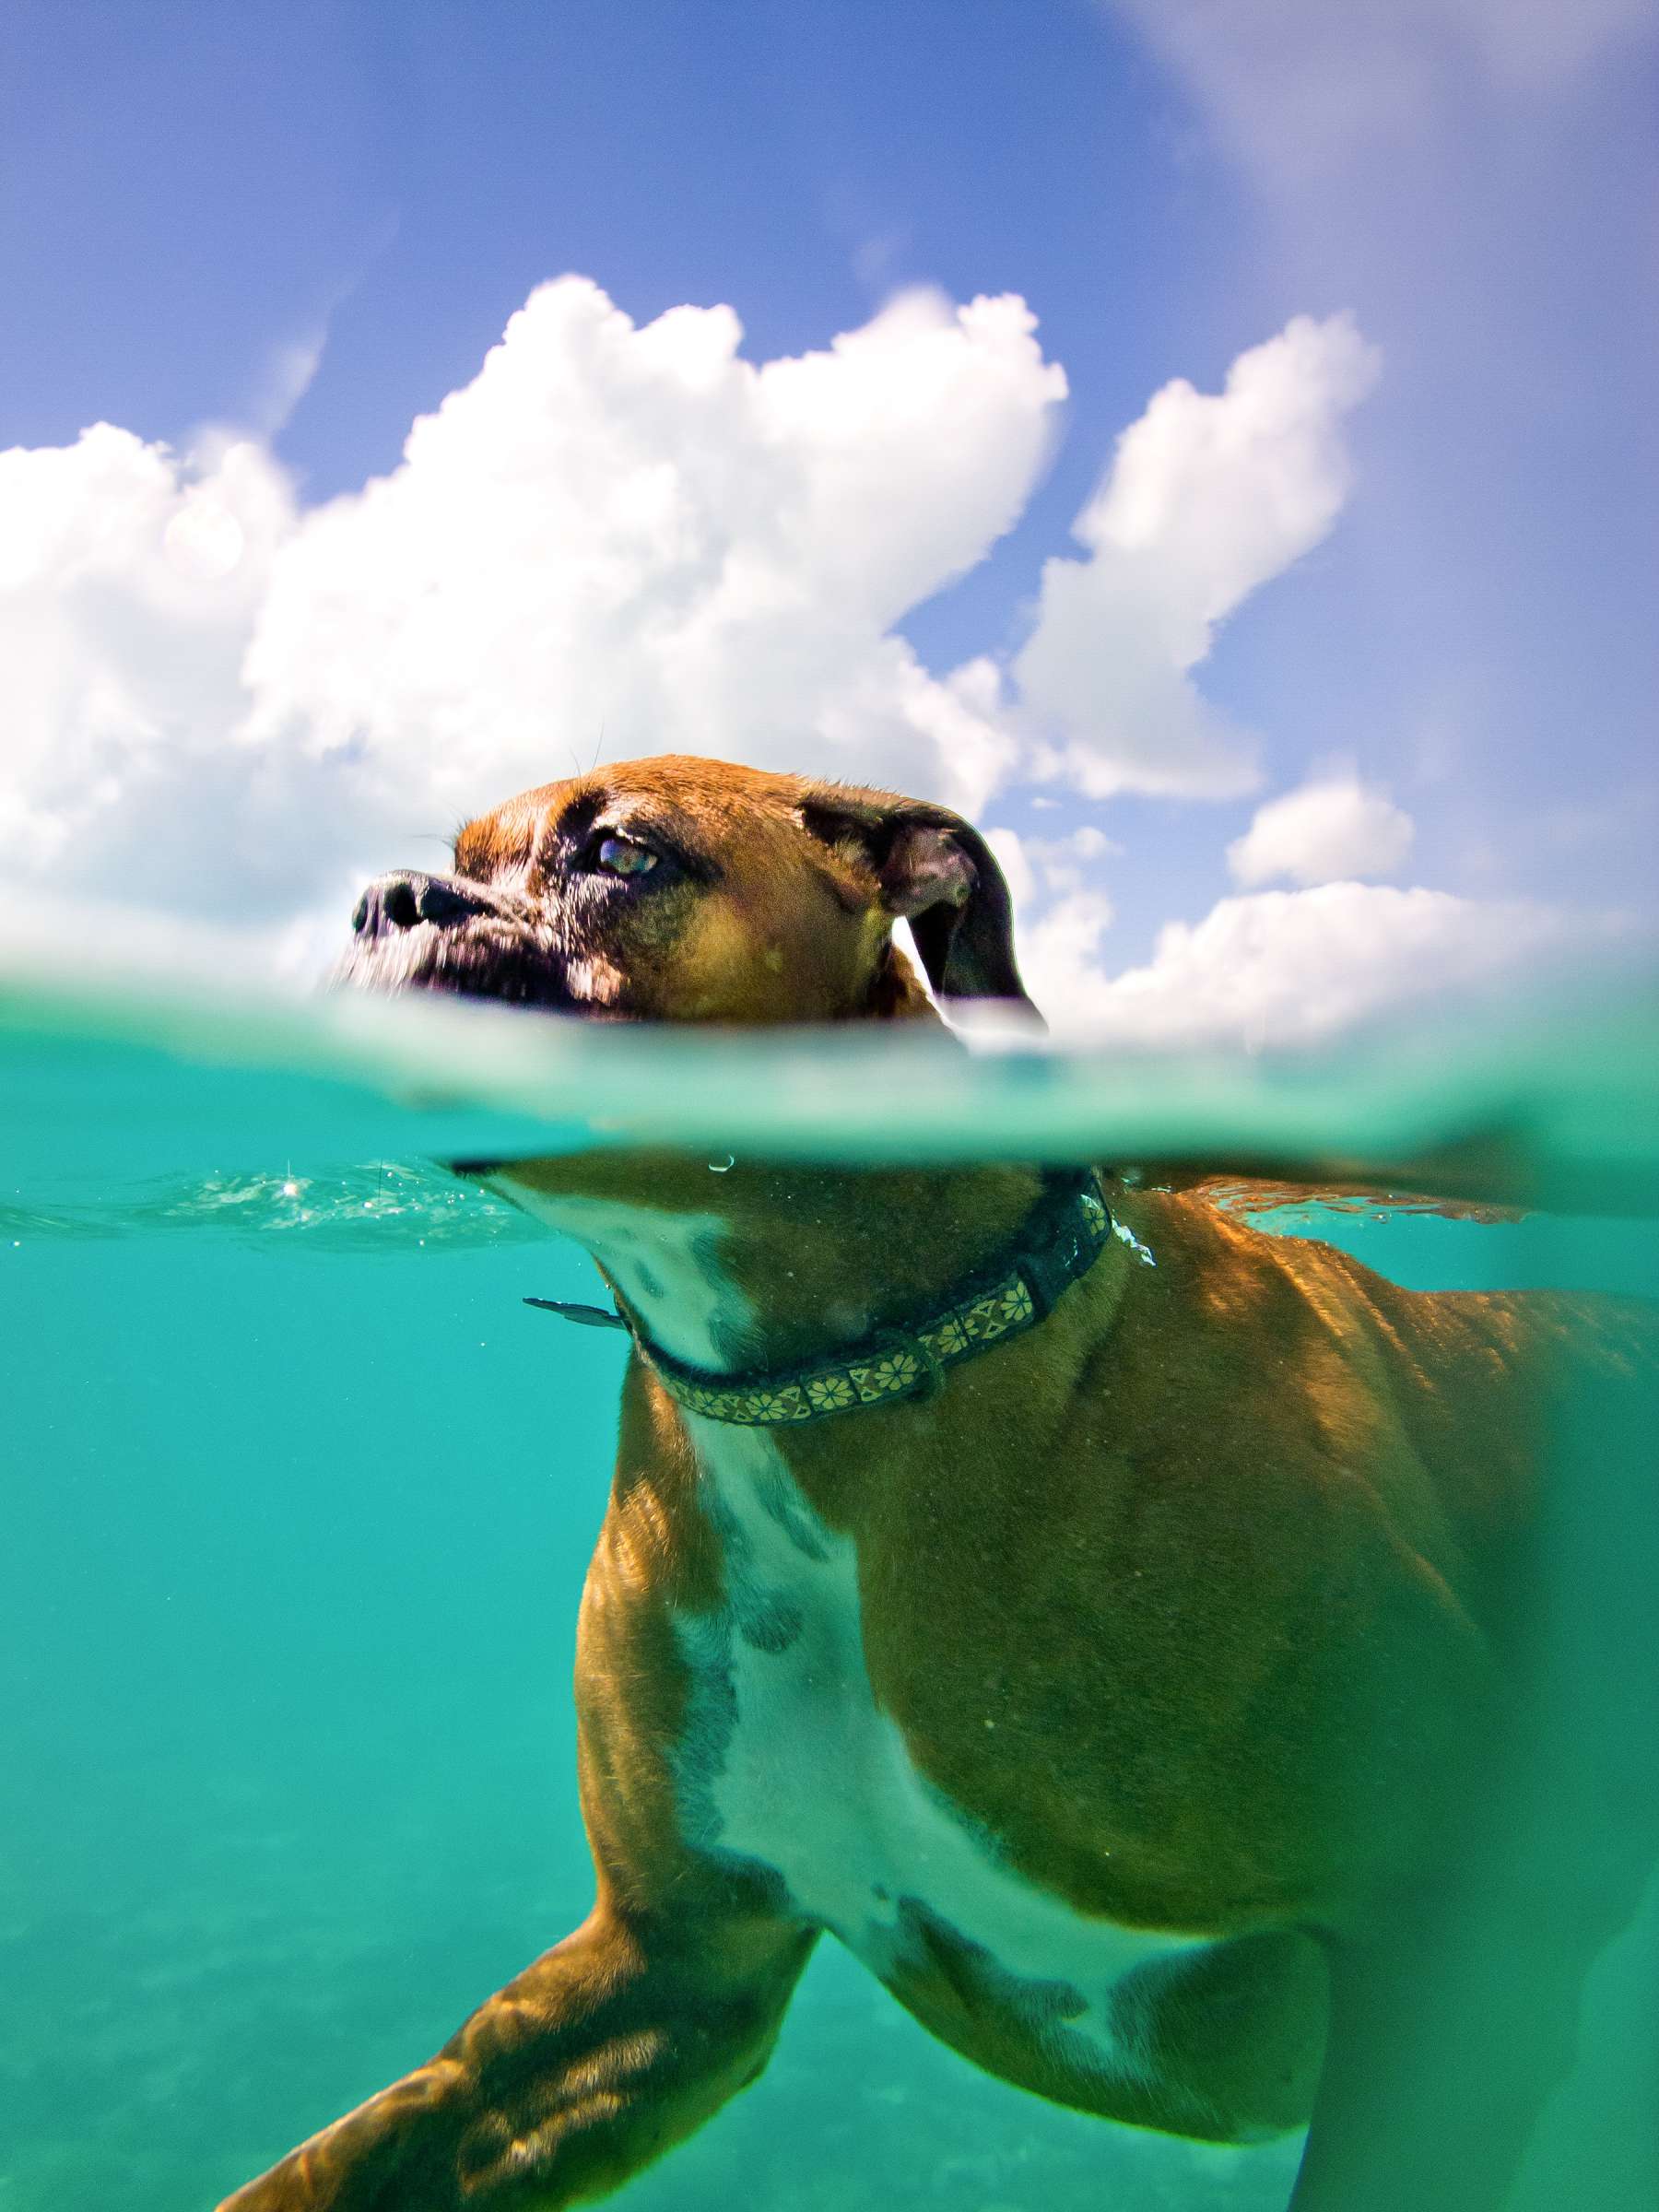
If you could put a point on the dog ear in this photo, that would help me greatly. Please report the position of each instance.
(936, 872)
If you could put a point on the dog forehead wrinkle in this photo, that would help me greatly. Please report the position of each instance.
(566, 824)
(787, 1764)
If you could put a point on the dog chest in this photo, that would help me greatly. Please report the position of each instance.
(788, 1762)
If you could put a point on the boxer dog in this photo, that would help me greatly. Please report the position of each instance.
(1126, 1662)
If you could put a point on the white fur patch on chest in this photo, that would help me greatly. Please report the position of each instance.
(787, 1760)
(663, 1264)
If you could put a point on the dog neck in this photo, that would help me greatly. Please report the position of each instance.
(731, 1267)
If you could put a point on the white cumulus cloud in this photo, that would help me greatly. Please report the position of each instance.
(130, 584)
(1333, 826)
(1283, 968)
(627, 540)
(1209, 495)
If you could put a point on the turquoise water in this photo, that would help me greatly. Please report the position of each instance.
(298, 1497)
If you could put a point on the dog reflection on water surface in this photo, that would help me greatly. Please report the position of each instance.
(1125, 1662)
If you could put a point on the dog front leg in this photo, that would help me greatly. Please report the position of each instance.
(613, 2046)
(1444, 2046)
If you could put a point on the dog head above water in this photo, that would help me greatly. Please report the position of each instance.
(680, 889)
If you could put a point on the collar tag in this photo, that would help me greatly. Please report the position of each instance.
(590, 1317)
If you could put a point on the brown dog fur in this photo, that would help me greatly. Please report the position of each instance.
(1207, 1599)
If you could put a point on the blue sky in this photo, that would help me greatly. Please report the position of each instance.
(302, 227)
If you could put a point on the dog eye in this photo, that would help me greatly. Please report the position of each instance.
(622, 856)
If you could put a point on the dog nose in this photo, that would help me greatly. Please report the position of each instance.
(405, 900)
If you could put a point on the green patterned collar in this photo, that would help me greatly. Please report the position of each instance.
(1063, 1237)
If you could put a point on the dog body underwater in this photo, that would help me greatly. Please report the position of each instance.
(1127, 1662)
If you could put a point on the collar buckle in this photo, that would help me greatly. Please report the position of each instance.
(1069, 1241)
(1046, 1274)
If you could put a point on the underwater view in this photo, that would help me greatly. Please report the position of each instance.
(299, 1496)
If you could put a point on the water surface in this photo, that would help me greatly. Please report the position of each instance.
(298, 1497)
